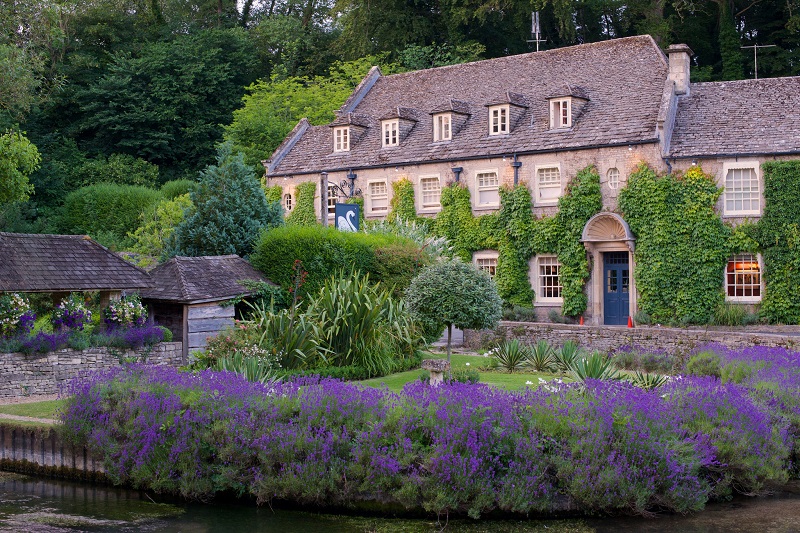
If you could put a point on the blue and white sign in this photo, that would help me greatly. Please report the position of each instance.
(347, 217)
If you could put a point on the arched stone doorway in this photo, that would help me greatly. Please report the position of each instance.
(612, 289)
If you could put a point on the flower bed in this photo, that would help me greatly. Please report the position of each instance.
(464, 448)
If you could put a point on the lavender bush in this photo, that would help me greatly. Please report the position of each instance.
(461, 448)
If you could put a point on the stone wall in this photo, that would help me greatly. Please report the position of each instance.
(42, 451)
(605, 338)
(23, 375)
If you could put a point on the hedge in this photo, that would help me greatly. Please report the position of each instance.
(323, 251)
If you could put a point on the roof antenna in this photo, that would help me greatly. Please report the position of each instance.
(535, 30)
(755, 48)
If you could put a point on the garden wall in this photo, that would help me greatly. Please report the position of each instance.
(23, 375)
(605, 338)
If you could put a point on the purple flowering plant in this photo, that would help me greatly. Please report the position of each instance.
(71, 314)
(456, 448)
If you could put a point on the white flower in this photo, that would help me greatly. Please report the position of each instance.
(542, 380)
(467, 364)
(529, 383)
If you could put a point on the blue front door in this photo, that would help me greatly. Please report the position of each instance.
(616, 288)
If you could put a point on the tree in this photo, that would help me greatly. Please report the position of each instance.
(166, 104)
(272, 108)
(159, 222)
(230, 210)
(18, 159)
(454, 293)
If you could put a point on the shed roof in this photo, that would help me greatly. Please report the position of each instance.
(58, 263)
(745, 117)
(201, 279)
(605, 72)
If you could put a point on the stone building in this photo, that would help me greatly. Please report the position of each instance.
(539, 118)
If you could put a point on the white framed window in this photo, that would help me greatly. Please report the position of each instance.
(547, 279)
(548, 184)
(498, 120)
(378, 197)
(742, 189)
(442, 128)
(430, 191)
(287, 202)
(341, 139)
(333, 197)
(613, 177)
(486, 260)
(743, 278)
(561, 113)
(391, 135)
(488, 185)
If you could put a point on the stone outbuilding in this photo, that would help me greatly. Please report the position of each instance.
(189, 296)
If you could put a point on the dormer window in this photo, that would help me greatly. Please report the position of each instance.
(391, 133)
(341, 139)
(498, 120)
(560, 113)
(442, 128)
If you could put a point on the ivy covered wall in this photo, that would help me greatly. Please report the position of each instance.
(682, 244)
(778, 233)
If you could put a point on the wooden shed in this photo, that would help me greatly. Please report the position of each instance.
(60, 264)
(188, 294)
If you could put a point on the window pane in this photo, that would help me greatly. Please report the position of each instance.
(431, 192)
(742, 192)
(743, 276)
(379, 196)
(488, 188)
(549, 277)
(489, 264)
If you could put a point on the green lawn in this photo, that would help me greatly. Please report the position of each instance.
(48, 409)
(496, 378)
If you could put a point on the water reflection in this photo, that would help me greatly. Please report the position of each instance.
(49, 506)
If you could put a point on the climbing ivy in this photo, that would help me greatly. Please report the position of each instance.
(682, 245)
(778, 233)
(403, 202)
(274, 193)
(518, 235)
(303, 213)
(580, 203)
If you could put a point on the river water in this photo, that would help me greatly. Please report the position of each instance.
(36, 505)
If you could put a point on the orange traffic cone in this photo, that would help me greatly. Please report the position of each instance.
(581, 322)
(630, 322)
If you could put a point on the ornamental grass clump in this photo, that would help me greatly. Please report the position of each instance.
(457, 448)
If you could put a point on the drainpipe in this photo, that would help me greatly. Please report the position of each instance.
(516, 164)
(457, 173)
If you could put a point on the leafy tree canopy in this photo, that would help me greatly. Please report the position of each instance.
(18, 159)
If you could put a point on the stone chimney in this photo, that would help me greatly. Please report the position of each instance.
(679, 62)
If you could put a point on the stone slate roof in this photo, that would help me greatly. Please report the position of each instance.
(623, 80)
(746, 117)
(60, 263)
(201, 279)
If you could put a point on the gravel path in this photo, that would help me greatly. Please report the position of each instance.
(5, 416)
(28, 399)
